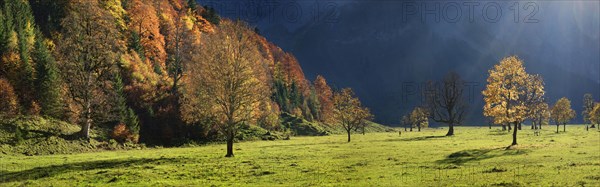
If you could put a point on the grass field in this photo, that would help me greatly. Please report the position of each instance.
(476, 156)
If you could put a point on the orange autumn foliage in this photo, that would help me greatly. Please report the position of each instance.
(121, 134)
(324, 94)
(145, 22)
(8, 99)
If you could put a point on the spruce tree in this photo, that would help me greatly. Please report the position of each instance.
(126, 114)
(47, 81)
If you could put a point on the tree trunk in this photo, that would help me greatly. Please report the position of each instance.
(450, 130)
(490, 126)
(509, 127)
(564, 127)
(348, 135)
(411, 128)
(515, 135)
(540, 126)
(85, 130)
(593, 126)
(419, 127)
(519, 126)
(533, 126)
(587, 127)
(557, 125)
(503, 127)
(229, 144)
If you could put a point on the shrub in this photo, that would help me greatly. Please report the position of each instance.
(8, 99)
(122, 134)
(18, 135)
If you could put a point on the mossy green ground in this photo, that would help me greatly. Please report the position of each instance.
(476, 156)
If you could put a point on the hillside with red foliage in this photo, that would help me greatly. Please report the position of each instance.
(154, 44)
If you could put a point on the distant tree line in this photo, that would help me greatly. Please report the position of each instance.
(511, 97)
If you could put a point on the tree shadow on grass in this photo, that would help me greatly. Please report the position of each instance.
(50, 171)
(470, 155)
(304, 144)
(498, 132)
(421, 138)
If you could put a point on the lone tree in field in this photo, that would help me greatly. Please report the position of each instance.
(446, 104)
(509, 92)
(588, 106)
(418, 118)
(224, 81)
(88, 50)
(562, 113)
(348, 111)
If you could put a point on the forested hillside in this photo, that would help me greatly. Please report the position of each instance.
(132, 70)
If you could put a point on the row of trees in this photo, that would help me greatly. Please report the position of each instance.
(417, 118)
(226, 88)
(444, 104)
(511, 97)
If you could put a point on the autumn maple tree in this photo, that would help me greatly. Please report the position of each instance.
(224, 80)
(562, 113)
(89, 51)
(419, 118)
(509, 93)
(540, 114)
(348, 112)
(588, 106)
(535, 101)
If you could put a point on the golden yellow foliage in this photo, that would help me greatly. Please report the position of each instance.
(510, 91)
(562, 112)
(595, 114)
(224, 83)
(419, 118)
(348, 111)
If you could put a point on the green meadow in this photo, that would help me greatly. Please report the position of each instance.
(475, 156)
